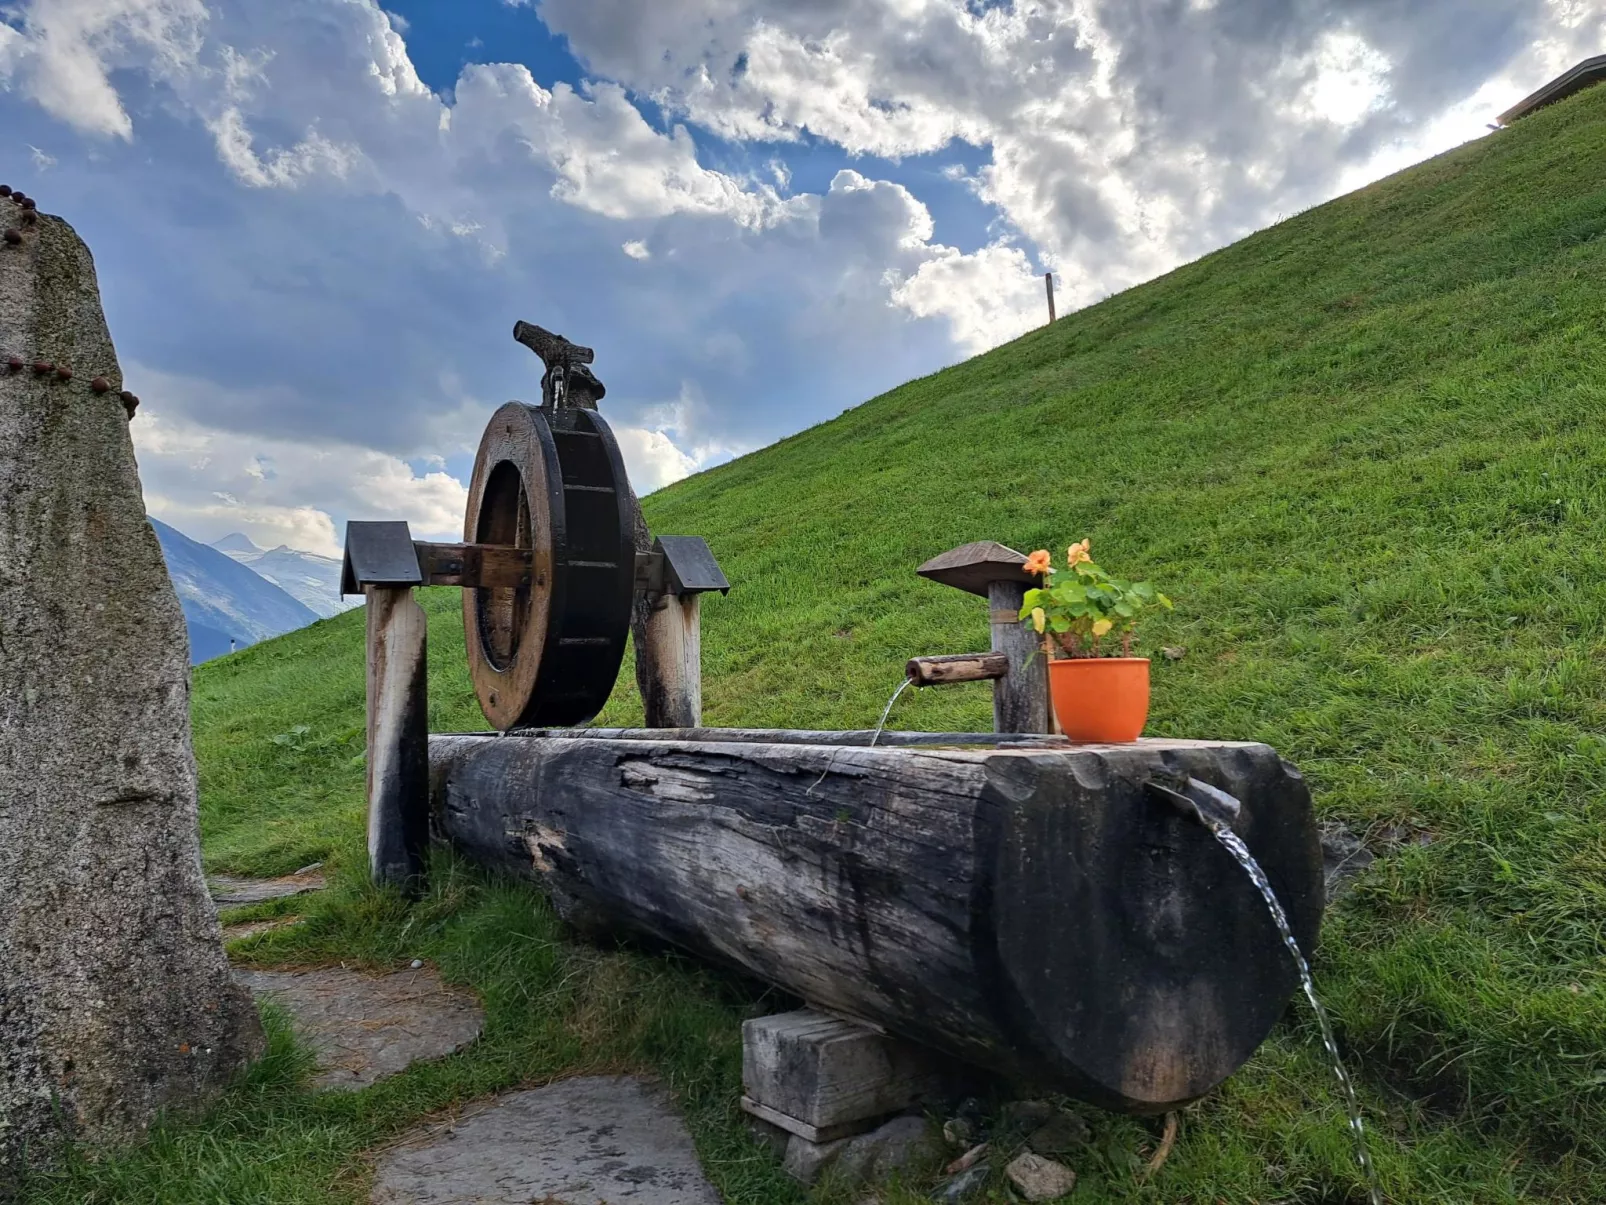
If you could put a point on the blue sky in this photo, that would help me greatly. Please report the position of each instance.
(315, 222)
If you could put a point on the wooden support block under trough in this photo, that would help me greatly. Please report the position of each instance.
(823, 1078)
(1024, 904)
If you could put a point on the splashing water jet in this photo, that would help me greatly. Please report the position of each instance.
(1216, 810)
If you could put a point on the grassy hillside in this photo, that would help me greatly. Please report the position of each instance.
(1365, 451)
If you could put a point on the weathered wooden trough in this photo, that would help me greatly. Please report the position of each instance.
(1009, 898)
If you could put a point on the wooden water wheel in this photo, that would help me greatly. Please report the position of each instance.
(551, 480)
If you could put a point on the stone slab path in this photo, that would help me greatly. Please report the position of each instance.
(598, 1140)
(230, 892)
(251, 928)
(365, 1027)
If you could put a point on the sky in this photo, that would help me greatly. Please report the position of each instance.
(315, 222)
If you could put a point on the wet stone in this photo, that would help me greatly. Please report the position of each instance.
(365, 1027)
(228, 892)
(597, 1140)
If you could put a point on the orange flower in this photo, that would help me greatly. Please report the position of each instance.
(1077, 553)
(1039, 562)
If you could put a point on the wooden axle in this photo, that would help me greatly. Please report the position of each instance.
(477, 566)
(1024, 904)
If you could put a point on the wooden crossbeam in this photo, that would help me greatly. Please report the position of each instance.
(483, 566)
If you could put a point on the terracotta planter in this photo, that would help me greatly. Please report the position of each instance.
(1100, 698)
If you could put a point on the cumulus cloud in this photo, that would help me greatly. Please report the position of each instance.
(1125, 135)
(64, 52)
(322, 280)
(209, 482)
(988, 296)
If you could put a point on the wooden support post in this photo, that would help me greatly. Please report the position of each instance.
(998, 574)
(398, 737)
(666, 625)
(672, 648)
(1020, 697)
(1048, 281)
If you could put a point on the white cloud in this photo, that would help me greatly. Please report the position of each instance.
(988, 297)
(1347, 80)
(65, 51)
(652, 459)
(208, 482)
(1125, 136)
(1117, 137)
(280, 167)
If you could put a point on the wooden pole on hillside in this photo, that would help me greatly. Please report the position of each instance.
(1048, 282)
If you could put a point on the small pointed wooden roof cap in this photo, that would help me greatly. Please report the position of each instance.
(974, 567)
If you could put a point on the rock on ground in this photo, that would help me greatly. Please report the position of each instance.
(603, 1140)
(870, 1156)
(115, 996)
(365, 1027)
(1344, 857)
(1039, 1179)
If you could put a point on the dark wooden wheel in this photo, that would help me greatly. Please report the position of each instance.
(546, 655)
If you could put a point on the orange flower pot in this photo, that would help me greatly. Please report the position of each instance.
(1100, 698)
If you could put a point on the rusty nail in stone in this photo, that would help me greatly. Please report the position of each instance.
(19, 196)
(5, 190)
(64, 373)
(14, 363)
(29, 203)
(42, 366)
(100, 384)
(13, 237)
(130, 402)
(29, 217)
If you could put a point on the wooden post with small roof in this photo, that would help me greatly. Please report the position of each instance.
(998, 574)
(381, 563)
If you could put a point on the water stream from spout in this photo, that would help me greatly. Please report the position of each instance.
(886, 711)
(1235, 846)
(876, 736)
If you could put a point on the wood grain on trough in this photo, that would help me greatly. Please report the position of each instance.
(1025, 905)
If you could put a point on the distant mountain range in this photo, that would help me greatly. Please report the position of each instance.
(226, 604)
(311, 579)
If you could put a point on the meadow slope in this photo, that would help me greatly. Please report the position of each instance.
(1364, 451)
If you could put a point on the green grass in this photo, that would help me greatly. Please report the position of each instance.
(1365, 451)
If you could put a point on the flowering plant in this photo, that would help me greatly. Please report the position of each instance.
(1079, 609)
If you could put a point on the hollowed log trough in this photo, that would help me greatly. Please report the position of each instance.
(1020, 902)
